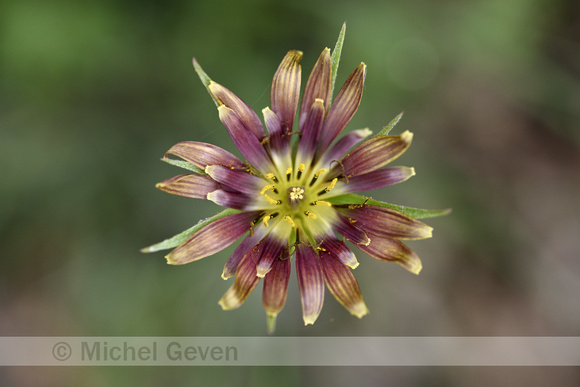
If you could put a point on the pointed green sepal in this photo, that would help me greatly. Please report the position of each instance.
(184, 165)
(205, 79)
(416, 213)
(385, 131)
(335, 58)
(185, 235)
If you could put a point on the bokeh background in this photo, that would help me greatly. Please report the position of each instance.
(93, 93)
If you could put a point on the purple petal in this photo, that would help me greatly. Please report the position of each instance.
(201, 155)
(311, 130)
(279, 142)
(318, 86)
(339, 149)
(379, 178)
(245, 247)
(375, 153)
(276, 289)
(338, 249)
(246, 281)
(393, 251)
(248, 117)
(239, 180)
(343, 286)
(191, 186)
(285, 91)
(244, 140)
(386, 223)
(343, 107)
(272, 248)
(354, 234)
(310, 282)
(212, 238)
(237, 200)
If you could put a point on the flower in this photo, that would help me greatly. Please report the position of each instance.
(294, 192)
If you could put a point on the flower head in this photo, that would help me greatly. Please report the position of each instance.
(293, 194)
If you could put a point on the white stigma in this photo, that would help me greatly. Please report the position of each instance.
(296, 193)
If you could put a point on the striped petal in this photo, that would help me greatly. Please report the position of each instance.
(272, 248)
(248, 117)
(237, 200)
(318, 86)
(239, 180)
(338, 249)
(375, 153)
(343, 286)
(191, 186)
(201, 155)
(241, 250)
(354, 234)
(246, 281)
(393, 251)
(212, 238)
(285, 91)
(244, 140)
(311, 131)
(339, 149)
(278, 141)
(379, 178)
(310, 282)
(275, 291)
(386, 223)
(345, 105)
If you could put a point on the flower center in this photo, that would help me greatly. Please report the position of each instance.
(296, 194)
(298, 197)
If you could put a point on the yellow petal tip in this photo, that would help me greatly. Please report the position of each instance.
(229, 301)
(310, 319)
(407, 136)
(170, 260)
(359, 310)
(365, 132)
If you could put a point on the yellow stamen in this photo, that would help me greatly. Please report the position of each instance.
(322, 202)
(319, 172)
(272, 176)
(267, 188)
(289, 220)
(310, 214)
(301, 169)
(332, 184)
(266, 219)
(272, 201)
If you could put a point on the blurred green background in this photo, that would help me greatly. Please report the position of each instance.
(93, 93)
